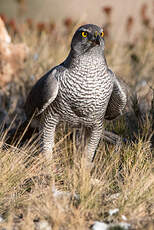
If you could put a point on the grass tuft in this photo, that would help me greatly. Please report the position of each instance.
(63, 193)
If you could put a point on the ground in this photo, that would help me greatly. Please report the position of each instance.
(63, 194)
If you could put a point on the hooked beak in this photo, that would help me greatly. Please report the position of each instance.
(96, 39)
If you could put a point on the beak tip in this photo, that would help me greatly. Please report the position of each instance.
(97, 40)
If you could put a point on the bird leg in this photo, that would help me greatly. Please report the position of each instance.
(93, 142)
(47, 132)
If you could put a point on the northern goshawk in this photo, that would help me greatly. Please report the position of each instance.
(81, 91)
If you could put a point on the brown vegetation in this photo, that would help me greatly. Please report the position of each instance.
(121, 177)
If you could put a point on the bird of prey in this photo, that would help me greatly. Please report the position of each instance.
(82, 91)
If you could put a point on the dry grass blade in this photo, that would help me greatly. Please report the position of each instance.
(62, 193)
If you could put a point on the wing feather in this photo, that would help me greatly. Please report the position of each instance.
(42, 94)
(118, 99)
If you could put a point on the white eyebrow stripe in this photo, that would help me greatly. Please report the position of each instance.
(85, 30)
(89, 31)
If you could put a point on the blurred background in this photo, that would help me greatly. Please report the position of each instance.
(36, 35)
(121, 13)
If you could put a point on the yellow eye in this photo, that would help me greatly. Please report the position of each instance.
(84, 34)
(102, 34)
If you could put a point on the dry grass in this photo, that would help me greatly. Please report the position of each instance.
(121, 178)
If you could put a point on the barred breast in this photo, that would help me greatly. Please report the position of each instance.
(84, 93)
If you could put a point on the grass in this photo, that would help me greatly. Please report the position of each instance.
(121, 178)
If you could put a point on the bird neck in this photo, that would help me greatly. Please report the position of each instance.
(74, 58)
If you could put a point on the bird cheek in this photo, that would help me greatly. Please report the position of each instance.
(102, 42)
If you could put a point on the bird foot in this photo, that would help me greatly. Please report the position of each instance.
(113, 138)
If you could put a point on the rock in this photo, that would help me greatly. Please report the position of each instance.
(123, 225)
(124, 217)
(113, 211)
(60, 194)
(62, 199)
(114, 196)
(100, 226)
(103, 226)
(12, 56)
(1, 219)
(3, 32)
(43, 225)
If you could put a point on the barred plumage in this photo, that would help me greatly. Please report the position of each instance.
(81, 91)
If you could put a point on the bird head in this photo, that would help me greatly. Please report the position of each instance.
(88, 37)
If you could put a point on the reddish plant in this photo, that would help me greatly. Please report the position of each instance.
(129, 24)
(107, 10)
(4, 18)
(146, 21)
(143, 13)
(13, 25)
(51, 27)
(143, 10)
(41, 26)
(30, 23)
(68, 22)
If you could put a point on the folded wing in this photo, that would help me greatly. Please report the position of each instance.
(42, 94)
(118, 99)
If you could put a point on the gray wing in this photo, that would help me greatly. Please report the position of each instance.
(118, 99)
(42, 94)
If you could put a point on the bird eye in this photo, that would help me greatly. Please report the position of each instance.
(84, 34)
(102, 34)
